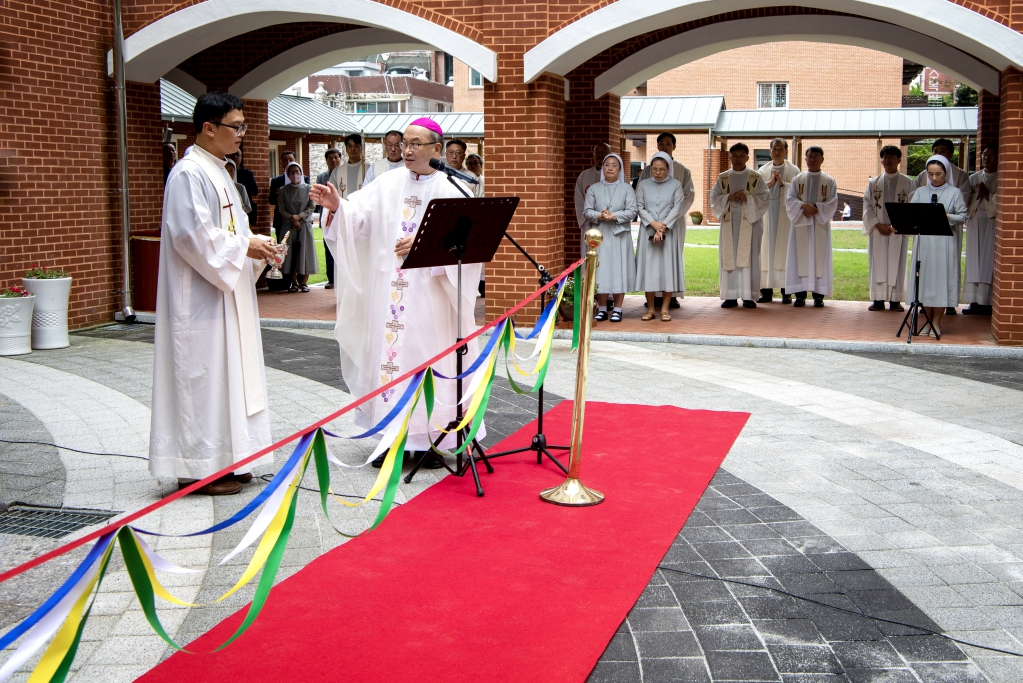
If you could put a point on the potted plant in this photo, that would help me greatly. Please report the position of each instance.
(51, 287)
(567, 306)
(16, 305)
(697, 217)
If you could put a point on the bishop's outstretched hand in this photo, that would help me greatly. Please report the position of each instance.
(326, 196)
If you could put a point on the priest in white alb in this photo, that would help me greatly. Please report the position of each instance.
(778, 175)
(980, 235)
(209, 406)
(886, 249)
(391, 319)
(392, 157)
(811, 203)
(740, 198)
(960, 180)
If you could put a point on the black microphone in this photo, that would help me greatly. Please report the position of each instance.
(444, 168)
(934, 199)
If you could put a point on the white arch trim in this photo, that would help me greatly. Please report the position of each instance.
(270, 78)
(156, 49)
(944, 21)
(707, 40)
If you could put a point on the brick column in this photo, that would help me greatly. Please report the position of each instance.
(256, 158)
(588, 122)
(719, 161)
(987, 121)
(1007, 321)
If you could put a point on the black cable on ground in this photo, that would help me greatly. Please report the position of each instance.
(73, 450)
(269, 477)
(926, 631)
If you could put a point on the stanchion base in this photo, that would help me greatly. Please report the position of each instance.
(572, 493)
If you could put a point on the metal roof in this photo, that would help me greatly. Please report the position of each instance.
(454, 125)
(286, 112)
(670, 113)
(919, 122)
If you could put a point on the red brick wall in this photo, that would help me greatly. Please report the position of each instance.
(987, 121)
(1007, 321)
(256, 158)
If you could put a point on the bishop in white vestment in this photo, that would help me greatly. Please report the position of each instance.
(778, 175)
(391, 319)
(811, 203)
(980, 235)
(209, 406)
(740, 198)
(886, 249)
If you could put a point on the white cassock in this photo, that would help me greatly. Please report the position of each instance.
(980, 241)
(777, 226)
(380, 167)
(886, 253)
(391, 320)
(684, 176)
(587, 178)
(809, 267)
(961, 180)
(741, 232)
(209, 387)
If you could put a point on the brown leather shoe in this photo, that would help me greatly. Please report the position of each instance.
(225, 486)
(242, 478)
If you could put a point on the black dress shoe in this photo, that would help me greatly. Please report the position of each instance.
(657, 302)
(799, 303)
(818, 303)
(329, 285)
(876, 306)
(674, 303)
(431, 463)
(895, 306)
(746, 303)
(378, 461)
(729, 303)
(766, 296)
(972, 309)
(786, 298)
(951, 310)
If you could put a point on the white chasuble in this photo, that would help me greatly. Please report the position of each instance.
(209, 384)
(808, 266)
(775, 247)
(391, 319)
(980, 240)
(741, 232)
(886, 253)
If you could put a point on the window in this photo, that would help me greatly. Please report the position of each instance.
(772, 95)
(761, 157)
(475, 79)
(388, 107)
(440, 107)
(449, 68)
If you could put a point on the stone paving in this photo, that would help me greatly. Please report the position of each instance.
(876, 484)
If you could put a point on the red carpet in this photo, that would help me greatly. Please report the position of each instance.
(502, 588)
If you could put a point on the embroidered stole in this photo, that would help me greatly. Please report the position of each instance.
(820, 232)
(242, 296)
(730, 258)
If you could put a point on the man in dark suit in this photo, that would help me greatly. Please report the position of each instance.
(248, 181)
(275, 186)
(333, 158)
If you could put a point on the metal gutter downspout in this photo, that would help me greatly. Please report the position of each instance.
(122, 159)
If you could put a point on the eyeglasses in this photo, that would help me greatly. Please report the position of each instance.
(238, 130)
(414, 146)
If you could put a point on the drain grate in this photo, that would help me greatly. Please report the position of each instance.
(23, 520)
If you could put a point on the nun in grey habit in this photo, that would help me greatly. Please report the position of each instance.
(659, 265)
(296, 210)
(939, 256)
(610, 207)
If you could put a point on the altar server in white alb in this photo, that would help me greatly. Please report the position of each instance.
(391, 319)
(775, 249)
(939, 256)
(392, 157)
(980, 235)
(209, 406)
(740, 197)
(886, 249)
(960, 180)
(811, 203)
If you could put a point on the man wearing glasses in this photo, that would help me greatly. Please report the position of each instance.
(392, 157)
(391, 319)
(209, 406)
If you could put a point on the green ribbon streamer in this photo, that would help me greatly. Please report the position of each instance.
(577, 285)
(140, 582)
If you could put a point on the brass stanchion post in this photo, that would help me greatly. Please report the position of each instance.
(572, 491)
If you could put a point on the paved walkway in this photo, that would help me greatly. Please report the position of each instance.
(885, 485)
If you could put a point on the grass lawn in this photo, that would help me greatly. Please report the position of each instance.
(321, 259)
(840, 239)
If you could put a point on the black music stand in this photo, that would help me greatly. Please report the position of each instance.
(918, 219)
(453, 232)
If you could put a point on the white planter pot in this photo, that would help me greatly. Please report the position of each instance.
(49, 322)
(16, 325)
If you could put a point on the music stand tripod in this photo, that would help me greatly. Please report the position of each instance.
(919, 220)
(453, 232)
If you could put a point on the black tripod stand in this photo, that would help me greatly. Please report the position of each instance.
(914, 308)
